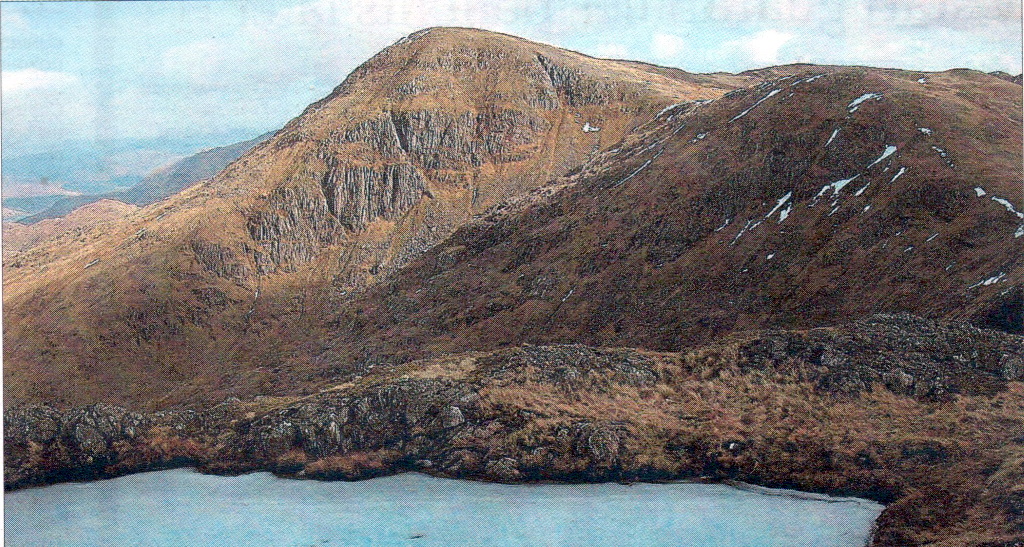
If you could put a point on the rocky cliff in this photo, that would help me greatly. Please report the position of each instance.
(426, 134)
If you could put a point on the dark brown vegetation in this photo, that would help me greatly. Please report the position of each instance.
(359, 294)
(936, 433)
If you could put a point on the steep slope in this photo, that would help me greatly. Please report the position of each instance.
(213, 287)
(19, 237)
(803, 201)
(163, 182)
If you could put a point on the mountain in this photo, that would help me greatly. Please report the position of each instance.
(803, 201)
(159, 184)
(484, 257)
(668, 211)
(423, 136)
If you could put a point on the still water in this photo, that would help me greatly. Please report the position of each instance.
(182, 507)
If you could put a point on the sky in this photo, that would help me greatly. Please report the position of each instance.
(75, 74)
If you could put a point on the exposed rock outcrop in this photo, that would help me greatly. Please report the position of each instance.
(753, 408)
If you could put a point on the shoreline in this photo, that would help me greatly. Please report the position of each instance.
(572, 414)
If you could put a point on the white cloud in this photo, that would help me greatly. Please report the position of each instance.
(763, 47)
(30, 79)
(41, 106)
(12, 21)
(794, 11)
(667, 46)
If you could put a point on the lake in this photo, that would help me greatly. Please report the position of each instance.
(183, 507)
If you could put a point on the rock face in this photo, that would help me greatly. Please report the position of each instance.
(429, 132)
(799, 409)
(906, 354)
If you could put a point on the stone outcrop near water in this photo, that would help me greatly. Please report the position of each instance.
(888, 390)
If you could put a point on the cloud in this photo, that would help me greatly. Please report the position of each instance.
(667, 46)
(17, 82)
(793, 11)
(40, 107)
(764, 46)
(955, 14)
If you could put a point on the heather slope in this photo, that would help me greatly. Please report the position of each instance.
(805, 201)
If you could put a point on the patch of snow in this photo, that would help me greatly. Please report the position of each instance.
(855, 104)
(633, 174)
(837, 186)
(808, 80)
(939, 150)
(743, 231)
(979, 190)
(724, 224)
(763, 99)
(922, 80)
(833, 137)
(908, 249)
(771, 256)
(833, 211)
(950, 266)
(700, 136)
(898, 175)
(889, 150)
(1019, 232)
(931, 237)
(567, 295)
(866, 207)
(1008, 205)
(990, 281)
(587, 128)
(784, 214)
(925, 130)
(862, 188)
(668, 108)
(778, 204)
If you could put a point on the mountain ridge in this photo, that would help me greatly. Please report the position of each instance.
(488, 258)
(364, 180)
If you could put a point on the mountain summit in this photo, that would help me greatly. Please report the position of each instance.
(431, 131)
(483, 257)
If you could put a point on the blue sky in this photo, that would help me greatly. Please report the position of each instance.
(87, 72)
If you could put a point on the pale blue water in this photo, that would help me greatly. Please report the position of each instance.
(182, 507)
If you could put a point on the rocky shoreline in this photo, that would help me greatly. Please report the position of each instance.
(863, 410)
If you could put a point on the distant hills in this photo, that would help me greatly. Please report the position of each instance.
(164, 182)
